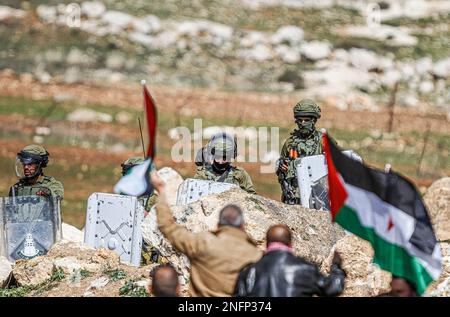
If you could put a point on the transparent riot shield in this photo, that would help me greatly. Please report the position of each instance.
(193, 189)
(312, 179)
(29, 226)
(114, 222)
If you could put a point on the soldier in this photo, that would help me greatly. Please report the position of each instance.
(149, 254)
(303, 141)
(223, 150)
(30, 163)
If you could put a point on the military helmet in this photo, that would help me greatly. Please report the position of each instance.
(307, 107)
(129, 163)
(33, 153)
(224, 146)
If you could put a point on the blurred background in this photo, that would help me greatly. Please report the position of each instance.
(70, 72)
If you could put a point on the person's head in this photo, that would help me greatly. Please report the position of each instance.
(279, 233)
(402, 288)
(165, 281)
(131, 162)
(30, 162)
(223, 151)
(232, 216)
(306, 114)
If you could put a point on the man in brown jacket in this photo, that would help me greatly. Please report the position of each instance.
(216, 257)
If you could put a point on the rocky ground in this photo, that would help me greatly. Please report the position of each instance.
(73, 269)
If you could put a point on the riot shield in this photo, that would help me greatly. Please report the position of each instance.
(113, 222)
(193, 189)
(312, 179)
(29, 226)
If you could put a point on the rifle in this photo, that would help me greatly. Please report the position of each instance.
(289, 196)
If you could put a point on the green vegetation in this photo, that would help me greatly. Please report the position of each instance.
(115, 275)
(131, 290)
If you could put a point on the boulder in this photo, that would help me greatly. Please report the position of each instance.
(363, 277)
(442, 68)
(289, 34)
(313, 234)
(93, 9)
(5, 270)
(441, 287)
(316, 50)
(71, 233)
(88, 115)
(437, 200)
(173, 180)
(69, 257)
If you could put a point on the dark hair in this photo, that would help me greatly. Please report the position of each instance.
(410, 284)
(164, 286)
(279, 233)
(231, 215)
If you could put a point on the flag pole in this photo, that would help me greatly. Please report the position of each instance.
(142, 138)
(333, 233)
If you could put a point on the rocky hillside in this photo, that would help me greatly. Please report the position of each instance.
(330, 51)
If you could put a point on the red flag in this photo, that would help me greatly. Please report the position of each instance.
(150, 113)
(336, 192)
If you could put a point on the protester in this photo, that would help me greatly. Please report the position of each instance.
(281, 274)
(400, 287)
(216, 257)
(165, 281)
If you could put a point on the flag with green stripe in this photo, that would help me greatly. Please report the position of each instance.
(386, 210)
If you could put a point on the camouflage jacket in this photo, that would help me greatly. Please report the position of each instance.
(237, 176)
(147, 201)
(312, 145)
(21, 189)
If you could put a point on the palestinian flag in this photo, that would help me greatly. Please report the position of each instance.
(386, 210)
(137, 181)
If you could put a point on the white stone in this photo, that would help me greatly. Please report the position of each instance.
(123, 117)
(115, 61)
(7, 12)
(68, 264)
(98, 283)
(117, 18)
(71, 233)
(154, 22)
(88, 115)
(442, 68)
(93, 9)
(364, 59)
(287, 54)
(395, 36)
(288, 34)
(252, 38)
(391, 77)
(141, 38)
(258, 53)
(424, 65)
(316, 50)
(5, 270)
(142, 25)
(426, 87)
(47, 13)
(43, 130)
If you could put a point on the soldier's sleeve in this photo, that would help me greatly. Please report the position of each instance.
(57, 189)
(246, 183)
(284, 150)
(182, 239)
(200, 173)
(150, 202)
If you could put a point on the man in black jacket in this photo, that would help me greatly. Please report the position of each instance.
(280, 273)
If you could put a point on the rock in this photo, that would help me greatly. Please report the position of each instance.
(98, 283)
(252, 38)
(258, 53)
(442, 68)
(395, 36)
(72, 75)
(93, 9)
(316, 50)
(8, 12)
(390, 77)
(288, 54)
(424, 65)
(88, 115)
(426, 87)
(441, 287)
(68, 264)
(173, 180)
(437, 200)
(72, 234)
(290, 34)
(115, 61)
(123, 117)
(5, 270)
(32, 272)
(363, 277)
(117, 19)
(312, 231)
(364, 59)
(77, 57)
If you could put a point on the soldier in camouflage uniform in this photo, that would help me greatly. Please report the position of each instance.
(303, 141)
(223, 150)
(149, 254)
(30, 163)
